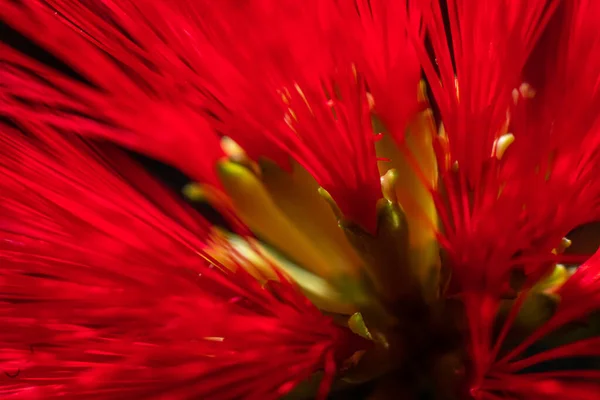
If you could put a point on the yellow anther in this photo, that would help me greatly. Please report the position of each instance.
(388, 185)
(301, 93)
(284, 96)
(564, 244)
(236, 154)
(422, 91)
(354, 70)
(502, 144)
(527, 91)
(370, 101)
(231, 148)
(457, 89)
(515, 96)
(214, 339)
(290, 119)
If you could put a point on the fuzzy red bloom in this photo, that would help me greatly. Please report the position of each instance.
(134, 88)
(543, 186)
(107, 291)
(277, 94)
(325, 134)
(291, 87)
(110, 287)
(475, 74)
(383, 34)
(505, 205)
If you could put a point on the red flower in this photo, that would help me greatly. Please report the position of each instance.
(383, 36)
(495, 170)
(152, 110)
(507, 205)
(167, 76)
(107, 290)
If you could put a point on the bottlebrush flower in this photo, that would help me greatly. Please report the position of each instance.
(399, 180)
(109, 291)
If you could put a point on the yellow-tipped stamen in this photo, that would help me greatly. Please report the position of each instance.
(502, 144)
(515, 96)
(388, 185)
(214, 338)
(303, 96)
(370, 101)
(564, 245)
(526, 90)
(232, 149)
(444, 142)
(422, 92)
(456, 88)
(236, 154)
